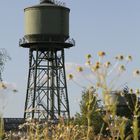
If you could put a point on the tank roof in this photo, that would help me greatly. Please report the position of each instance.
(46, 1)
(46, 5)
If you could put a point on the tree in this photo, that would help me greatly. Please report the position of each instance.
(3, 58)
(90, 111)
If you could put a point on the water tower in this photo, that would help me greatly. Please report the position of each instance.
(46, 37)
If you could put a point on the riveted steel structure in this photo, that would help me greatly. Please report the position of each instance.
(46, 36)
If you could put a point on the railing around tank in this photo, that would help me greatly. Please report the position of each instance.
(24, 40)
(59, 3)
(70, 41)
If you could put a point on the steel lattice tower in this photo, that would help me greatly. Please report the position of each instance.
(46, 96)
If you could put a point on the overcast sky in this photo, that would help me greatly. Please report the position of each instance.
(109, 25)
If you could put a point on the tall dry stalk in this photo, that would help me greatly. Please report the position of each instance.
(1, 128)
(91, 103)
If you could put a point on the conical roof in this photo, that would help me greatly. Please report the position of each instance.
(46, 1)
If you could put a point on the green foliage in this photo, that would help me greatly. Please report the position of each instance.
(90, 111)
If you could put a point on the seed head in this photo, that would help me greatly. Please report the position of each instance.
(98, 63)
(70, 77)
(4, 86)
(129, 58)
(119, 57)
(136, 72)
(122, 68)
(88, 56)
(107, 64)
(88, 63)
(79, 69)
(101, 53)
(95, 68)
(130, 90)
(137, 91)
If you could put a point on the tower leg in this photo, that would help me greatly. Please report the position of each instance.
(46, 96)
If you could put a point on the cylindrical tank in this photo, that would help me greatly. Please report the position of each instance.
(47, 22)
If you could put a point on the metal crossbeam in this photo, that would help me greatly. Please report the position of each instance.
(47, 95)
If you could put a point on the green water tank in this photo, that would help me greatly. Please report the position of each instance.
(47, 22)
